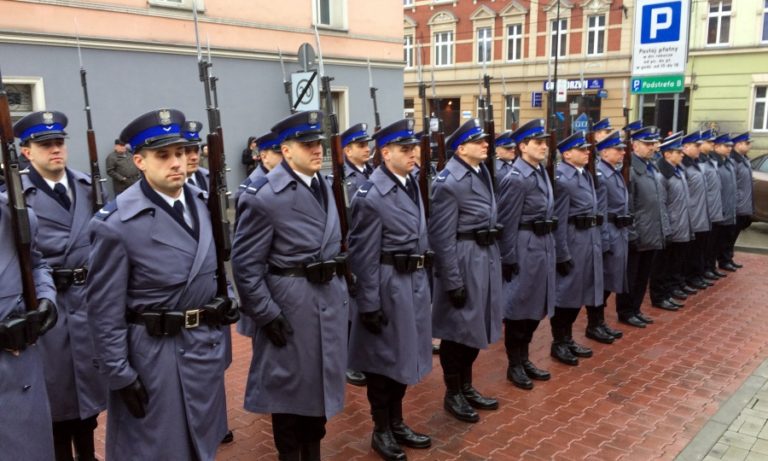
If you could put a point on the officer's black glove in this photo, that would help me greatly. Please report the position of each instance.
(40, 320)
(230, 313)
(135, 398)
(564, 268)
(509, 271)
(374, 321)
(458, 297)
(50, 315)
(278, 330)
(352, 285)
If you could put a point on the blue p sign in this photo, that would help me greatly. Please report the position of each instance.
(661, 22)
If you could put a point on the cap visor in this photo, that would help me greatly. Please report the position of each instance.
(48, 137)
(406, 141)
(164, 142)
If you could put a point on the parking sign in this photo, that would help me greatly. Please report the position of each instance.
(661, 37)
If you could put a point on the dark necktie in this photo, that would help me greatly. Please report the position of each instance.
(61, 192)
(191, 180)
(411, 191)
(315, 186)
(178, 207)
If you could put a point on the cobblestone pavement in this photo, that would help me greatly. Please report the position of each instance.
(646, 397)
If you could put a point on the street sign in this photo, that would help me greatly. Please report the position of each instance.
(561, 95)
(581, 123)
(536, 99)
(311, 100)
(577, 84)
(306, 57)
(661, 37)
(602, 94)
(574, 108)
(466, 114)
(658, 84)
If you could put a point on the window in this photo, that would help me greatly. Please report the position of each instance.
(330, 13)
(559, 37)
(596, 35)
(180, 4)
(484, 42)
(407, 2)
(511, 111)
(444, 48)
(514, 42)
(718, 22)
(408, 110)
(25, 95)
(761, 109)
(408, 51)
(765, 22)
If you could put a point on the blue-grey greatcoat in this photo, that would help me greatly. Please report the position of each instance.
(676, 199)
(708, 166)
(385, 219)
(727, 174)
(646, 203)
(697, 195)
(142, 258)
(525, 195)
(25, 415)
(462, 202)
(76, 387)
(745, 204)
(575, 196)
(612, 197)
(202, 178)
(503, 167)
(353, 178)
(281, 224)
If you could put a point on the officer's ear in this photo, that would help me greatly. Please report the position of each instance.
(386, 152)
(25, 151)
(139, 159)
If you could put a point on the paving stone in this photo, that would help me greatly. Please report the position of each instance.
(735, 454)
(760, 446)
(737, 439)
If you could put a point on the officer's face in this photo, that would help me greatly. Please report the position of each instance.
(742, 147)
(193, 159)
(417, 153)
(691, 149)
(505, 153)
(706, 147)
(164, 168)
(399, 159)
(49, 157)
(577, 157)
(358, 152)
(270, 159)
(674, 157)
(601, 134)
(473, 152)
(723, 149)
(534, 151)
(612, 155)
(304, 157)
(643, 150)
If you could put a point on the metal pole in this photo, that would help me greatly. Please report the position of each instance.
(553, 98)
(640, 102)
(675, 113)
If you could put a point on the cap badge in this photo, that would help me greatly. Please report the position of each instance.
(165, 116)
(313, 118)
(47, 118)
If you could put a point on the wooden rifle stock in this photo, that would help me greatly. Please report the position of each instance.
(592, 162)
(339, 191)
(22, 234)
(626, 162)
(426, 164)
(217, 206)
(440, 144)
(490, 128)
(552, 145)
(93, 155)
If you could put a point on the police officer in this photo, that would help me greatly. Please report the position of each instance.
(26, 415)
(745, 203)
(466, 313)
(152, 305)
(708, 164)
(270, 156)
(667, 279)
(726, 170)
(355, 143)
(505, 153)
(526, 210)
(578, 247)
(646, 234)
(613, 202)
(285, 258)
(694, 267)
(63, 202)
(391, 337)
(602, 129)
(196, 175)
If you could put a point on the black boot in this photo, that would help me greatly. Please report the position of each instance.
(382, 440)
(310, 451)
(474, 398)
(577, 349)
(290, 456)
(404, 434)
(454, 401)
(532, 370)
(62, 440)
(560, 347)
(515, 371)
(595, 323)
(355, 378)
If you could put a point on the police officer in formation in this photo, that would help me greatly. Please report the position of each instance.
(613, 205)
(505, 153)
(708, 164)
(196, 175)
(667, 283)
(466, 311)
(745, 202)
(578, 247)
(391, 340)
(527, 213)
(286, 260)
(152, 306)
(693, 261)
(62, 199)
(726, 170)
(355, 142)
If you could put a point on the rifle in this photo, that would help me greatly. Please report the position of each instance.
(592, 162)
(552, 146)
(626, 162)
(376, 117)
(286, 82)
(218, 201)
(438, 135)
(426, 153)
(490, 160)
(22, 233)
(93, 156)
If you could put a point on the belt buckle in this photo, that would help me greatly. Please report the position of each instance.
(79, 276)
(592, 221)
(420, 263)
(192, 318)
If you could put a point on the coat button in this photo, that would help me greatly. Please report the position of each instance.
(26, 387)
(182, 351)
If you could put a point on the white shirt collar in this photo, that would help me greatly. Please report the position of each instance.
(403, 180)
(307, 179)
(580, 169)
(64, 181)
(170, 200)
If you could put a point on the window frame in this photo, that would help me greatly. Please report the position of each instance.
(179, 5)
(337, 14)
(764, 38)
(563, 40)
(409, 51)
(486, 45)
(516, 109)
(599, 32)
(755, 102)
(448, 45)
(510, 44)
(720, 15)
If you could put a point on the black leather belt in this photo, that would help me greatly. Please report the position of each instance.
(620, 220)
(407, 262)
(540, 227)
(483, 237)
(316, 272)
(65, 278)
(584, 222)
(170, 323)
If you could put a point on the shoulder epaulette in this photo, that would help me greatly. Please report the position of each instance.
(256, 185)
(244, 185)
(107, 210)
(362, 191)
(515, 171)
(598, 173)
(557, 177)
(442, 176)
